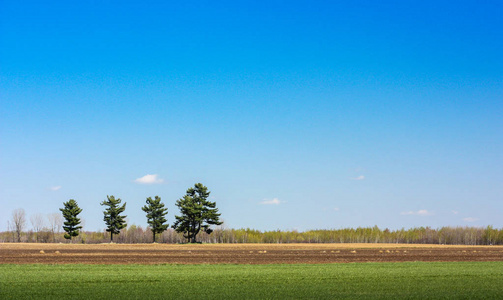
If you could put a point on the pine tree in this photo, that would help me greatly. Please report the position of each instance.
(72, 222)
(155, 215)
(115, 222)
(197, 213)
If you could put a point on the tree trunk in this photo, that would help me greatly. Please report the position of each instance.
(111, 236)
(154, 235)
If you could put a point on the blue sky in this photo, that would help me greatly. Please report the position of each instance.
(295, 114)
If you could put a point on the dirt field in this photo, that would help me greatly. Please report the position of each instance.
(240, 253)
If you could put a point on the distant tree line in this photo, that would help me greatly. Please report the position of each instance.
(419, 235)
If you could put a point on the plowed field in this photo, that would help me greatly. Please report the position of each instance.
(240, 253)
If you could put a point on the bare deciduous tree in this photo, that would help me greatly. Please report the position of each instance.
(19, 221)
(55, 224)
(37, 222)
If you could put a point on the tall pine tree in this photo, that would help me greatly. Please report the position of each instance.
(197, 213)
(115, 222)
(155, 215)
(70, 212)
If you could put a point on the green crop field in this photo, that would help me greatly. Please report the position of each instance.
(419, 280)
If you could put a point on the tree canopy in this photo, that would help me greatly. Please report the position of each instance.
(155, 215)
(112, 215)
(70, 212)
(197, 213)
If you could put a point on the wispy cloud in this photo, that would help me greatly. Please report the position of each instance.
(361, 177)
(470, 219)
(421, 212)
(331, 209)
(455, 212)
(55, 188)
(274, 201)
(149, 179)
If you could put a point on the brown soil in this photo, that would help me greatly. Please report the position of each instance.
(240, 253)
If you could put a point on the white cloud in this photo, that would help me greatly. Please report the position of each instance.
(274, 201)
(470, 219)
(149, 179)
(331, 209)
(455, 212)
(421, 212)
(55, 188)
(361, 177)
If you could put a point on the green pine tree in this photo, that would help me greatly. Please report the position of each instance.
(115, 222)
(155, 215)
(197, 213)
(72, 222)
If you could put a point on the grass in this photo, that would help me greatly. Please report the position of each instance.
(413, 280)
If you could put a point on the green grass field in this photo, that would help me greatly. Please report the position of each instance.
(419, 280)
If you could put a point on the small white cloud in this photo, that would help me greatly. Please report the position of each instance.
(470, 219)
(329, 208)
(274, 201)
(421, 212)
(455, 212)
(149, 179)
(361, 177)
(55, 188)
